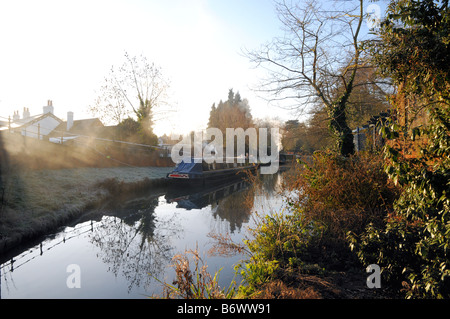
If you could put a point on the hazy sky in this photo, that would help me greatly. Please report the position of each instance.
(62, 50)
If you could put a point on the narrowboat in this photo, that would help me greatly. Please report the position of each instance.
(201, 172)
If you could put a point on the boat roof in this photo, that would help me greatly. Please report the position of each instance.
(189, 167)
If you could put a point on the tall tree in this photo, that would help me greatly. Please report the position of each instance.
(311, 59)
(136, 88)
(232, 113)
(369, 95)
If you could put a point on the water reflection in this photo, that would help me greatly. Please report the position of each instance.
(134, 241)
(231, 202)
(129, 243)
(129, 250)
(135, 236)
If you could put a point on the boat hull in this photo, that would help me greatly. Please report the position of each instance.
(210, 177)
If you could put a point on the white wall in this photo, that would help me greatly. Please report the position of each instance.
(47, 124)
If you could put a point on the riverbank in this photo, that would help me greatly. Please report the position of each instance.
(36, 202)
(305, 251)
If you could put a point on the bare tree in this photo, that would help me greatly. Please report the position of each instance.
(109, 105)
(311, 61)
(136, 88)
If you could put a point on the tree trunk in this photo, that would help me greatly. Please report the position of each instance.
(339, 128)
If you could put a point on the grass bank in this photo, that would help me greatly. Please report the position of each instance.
(36, 202)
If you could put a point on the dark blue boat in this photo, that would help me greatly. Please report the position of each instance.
(202, 173)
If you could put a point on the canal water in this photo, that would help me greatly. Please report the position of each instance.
(125, 249)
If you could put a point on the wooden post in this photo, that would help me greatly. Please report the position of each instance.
(39, 131)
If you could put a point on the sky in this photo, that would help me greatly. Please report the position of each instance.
(62, 50)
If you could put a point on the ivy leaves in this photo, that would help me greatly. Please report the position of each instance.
(413, 247)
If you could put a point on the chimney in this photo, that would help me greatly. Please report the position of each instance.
(16, 116)
(69, 120)
(26, 113)
(49, 107)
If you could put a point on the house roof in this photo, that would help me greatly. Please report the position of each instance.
(86, 127)
(32, 120)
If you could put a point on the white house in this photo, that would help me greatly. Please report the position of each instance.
(38, 126)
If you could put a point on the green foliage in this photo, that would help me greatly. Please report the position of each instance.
(413, 46)
(413, 246)
(135, 131)
(278, 242)
(282, 237)
(407, 235)
(254, 274)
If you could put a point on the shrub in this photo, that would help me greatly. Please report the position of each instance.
(412, 247)
(328, 198)
(197, 283)
(341, 194)
(278, 242)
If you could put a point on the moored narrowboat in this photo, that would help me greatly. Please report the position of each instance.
(201, 172)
